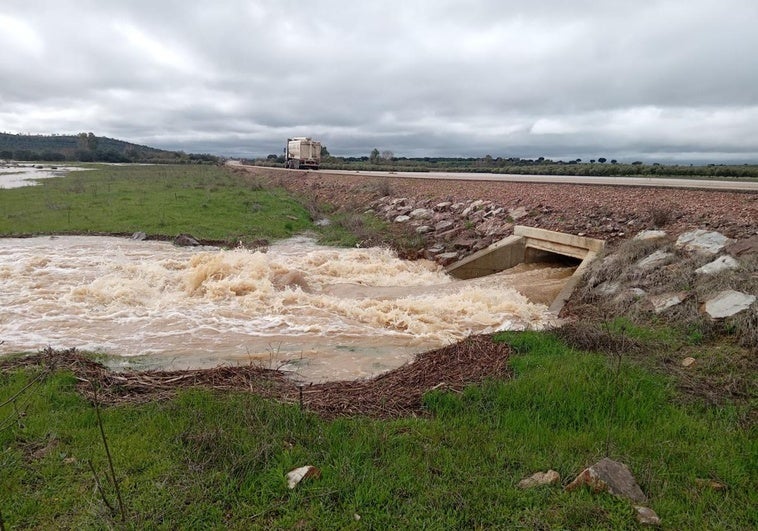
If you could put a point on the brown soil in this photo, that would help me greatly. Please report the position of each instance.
(612, 213)
(393, 394)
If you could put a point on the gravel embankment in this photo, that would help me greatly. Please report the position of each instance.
(611, 213)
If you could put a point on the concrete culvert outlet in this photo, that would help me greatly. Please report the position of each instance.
(532, 245)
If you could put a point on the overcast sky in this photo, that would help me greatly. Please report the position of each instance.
(639, 79)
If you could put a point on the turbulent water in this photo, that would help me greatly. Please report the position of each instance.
(320, 312)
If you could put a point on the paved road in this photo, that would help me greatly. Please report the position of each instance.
(655, 182)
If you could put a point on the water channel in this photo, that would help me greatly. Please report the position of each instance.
(321, 313)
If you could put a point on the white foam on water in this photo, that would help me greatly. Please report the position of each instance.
(323, 313)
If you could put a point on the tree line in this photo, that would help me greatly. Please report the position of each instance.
(86, 147)
(386, 161)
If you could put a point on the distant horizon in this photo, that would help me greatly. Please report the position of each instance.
(694, 159)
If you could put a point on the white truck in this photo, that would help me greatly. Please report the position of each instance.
(302, 152)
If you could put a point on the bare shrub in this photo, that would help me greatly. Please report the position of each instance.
(659, 216)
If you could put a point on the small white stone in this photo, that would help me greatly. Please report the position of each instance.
(722, 263)
(650, 235)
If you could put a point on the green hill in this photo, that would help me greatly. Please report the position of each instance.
(86, 147)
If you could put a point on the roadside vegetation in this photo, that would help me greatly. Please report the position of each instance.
(219, 459)
(204, 458)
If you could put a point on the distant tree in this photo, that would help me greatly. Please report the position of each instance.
(324, 152)
(387, 155)
(602, 160)
(637, 163)
(374, 156)
(614, 161)
(271, 157)
(488, 160)
(5, 154)
(592, 161)
(87, 141)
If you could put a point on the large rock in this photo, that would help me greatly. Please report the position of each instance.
(655, 259)
(402, 219)
(421, 213)
(667, 300)
(727, 303)
(611, 476)
(446, 258)
(702, 241)
(444, 225)
(517, 213)
(722, 263)
(139, 236)
(185, 240)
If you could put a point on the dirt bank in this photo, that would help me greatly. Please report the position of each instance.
(607, 212)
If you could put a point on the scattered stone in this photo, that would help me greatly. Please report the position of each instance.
(611, 476)
(722, 263)
(323, 222)
(686, 362)
(444, 225)
(442, 206)
(423, 229)
(702, 241)
(464, 244)
(666, 301)
(650, 235)
(139, 236)
(185, 240)
(743, 247)
(637, 292)
(421, 213)
(445, 259)
(727, 303)
(647, 516)
(517, 213)
(402, 219)
(608, 288)
(656, 259)
(540, 478)
(299, 474)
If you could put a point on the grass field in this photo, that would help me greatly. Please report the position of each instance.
(210, 460)
(205, 201)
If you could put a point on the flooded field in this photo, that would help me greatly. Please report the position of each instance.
(321, 313)
(15, 176)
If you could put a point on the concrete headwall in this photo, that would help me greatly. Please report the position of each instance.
(529, 244)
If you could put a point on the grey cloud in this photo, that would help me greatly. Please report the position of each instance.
(511, 78)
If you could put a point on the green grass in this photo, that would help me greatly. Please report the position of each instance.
(206, 201)
(213, 460)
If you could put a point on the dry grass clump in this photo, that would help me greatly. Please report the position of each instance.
(395, 393)
(611, 284)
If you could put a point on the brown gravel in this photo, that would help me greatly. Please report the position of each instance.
(611, 213)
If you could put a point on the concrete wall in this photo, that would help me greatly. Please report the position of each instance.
(530, 244)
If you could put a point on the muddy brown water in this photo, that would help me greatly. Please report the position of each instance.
(321, 313)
